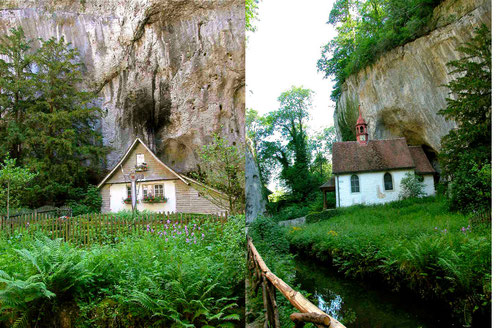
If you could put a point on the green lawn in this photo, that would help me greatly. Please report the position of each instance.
(417, 245)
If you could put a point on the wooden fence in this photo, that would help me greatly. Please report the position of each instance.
(262, 277)
(100, 228)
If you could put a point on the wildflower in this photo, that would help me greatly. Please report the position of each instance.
(166, 239)
(202, 235)
(333, 233)
(187, 240)
(168, 221)
(192, 233)
(435, 228)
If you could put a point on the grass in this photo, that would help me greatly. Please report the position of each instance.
(174, 277)
(415, 245)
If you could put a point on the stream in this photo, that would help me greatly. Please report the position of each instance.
(360, 304)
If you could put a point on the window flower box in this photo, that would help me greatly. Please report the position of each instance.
(152, 199)
(141, 167)
(127, 200)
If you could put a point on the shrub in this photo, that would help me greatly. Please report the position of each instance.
(411, 186)
(85, 202)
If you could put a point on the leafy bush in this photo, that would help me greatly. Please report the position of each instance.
(89, 201)
(411, 186)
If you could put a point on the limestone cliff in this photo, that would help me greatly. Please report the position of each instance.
(168, 71)
(402, 92)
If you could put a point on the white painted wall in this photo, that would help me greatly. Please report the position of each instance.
(371, 187)
(429, 188)
(118, 192)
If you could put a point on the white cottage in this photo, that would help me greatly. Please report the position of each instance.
(370, 171)
(160, 190)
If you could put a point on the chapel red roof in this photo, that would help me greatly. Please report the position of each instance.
(377, 155)
(422, 164)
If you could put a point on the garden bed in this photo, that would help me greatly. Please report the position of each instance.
(169, 275)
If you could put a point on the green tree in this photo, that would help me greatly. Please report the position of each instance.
(17, 90)
(465, 155)
(222, 167)
(11, 178)
(53, 130)
(291, 150)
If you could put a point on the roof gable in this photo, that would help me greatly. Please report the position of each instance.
(157, 171)
(376, 155)
(422, 164)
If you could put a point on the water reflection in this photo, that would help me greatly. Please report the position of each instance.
(357, 304)
(331, 307)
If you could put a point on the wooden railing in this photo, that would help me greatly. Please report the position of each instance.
(99, 228)
(262, 277)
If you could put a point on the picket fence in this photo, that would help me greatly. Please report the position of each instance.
(100, 228)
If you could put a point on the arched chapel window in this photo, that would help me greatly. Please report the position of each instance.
(354, 183)
(388, 181)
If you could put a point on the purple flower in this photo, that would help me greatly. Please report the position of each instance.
(166, 239)
(168, 221)
(192, 233)
(203, 235)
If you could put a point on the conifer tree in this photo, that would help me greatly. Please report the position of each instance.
(17, 90)
(466, 151)
(47, 120)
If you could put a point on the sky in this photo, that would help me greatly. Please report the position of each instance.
(283, 52)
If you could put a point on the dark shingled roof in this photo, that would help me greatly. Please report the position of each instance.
(376, 155)
(329, 185)
(422, 164)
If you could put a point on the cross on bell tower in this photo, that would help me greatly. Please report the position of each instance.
(361, 129)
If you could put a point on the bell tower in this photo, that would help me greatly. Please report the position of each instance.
(361, 129)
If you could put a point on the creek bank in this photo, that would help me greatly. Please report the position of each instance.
(413, 247)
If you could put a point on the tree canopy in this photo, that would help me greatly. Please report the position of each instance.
(282, 141)
(367, 29)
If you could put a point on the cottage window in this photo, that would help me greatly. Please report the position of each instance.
(129, 192)
(388, 181)
(144, 192)
(158, 190)
(140, 159)
(354, 183)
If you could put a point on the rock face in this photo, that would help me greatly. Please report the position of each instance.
(168, 71)
(255, 204)
(402, 92)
